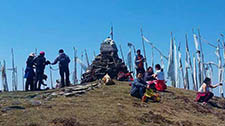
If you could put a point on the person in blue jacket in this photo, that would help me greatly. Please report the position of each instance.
(29, 73)
(64, 61)
(138, 87)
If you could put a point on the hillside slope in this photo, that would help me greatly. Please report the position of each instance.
(108, 106)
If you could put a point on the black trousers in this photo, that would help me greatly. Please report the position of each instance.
(29, 83)
(64, 71)
(39, 80)
(207, 97)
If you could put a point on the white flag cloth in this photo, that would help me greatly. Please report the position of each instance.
(129, 60)
(181, 66)
(83, 66)
(195, 73)
(171, 65)
(162, 63)
(145, 39)
(187, 66)
(190, 66)
(176, 65)
(220, 68)
(196, 42)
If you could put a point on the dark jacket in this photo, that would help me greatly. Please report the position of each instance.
(30, 61)
(63, 60)
(29, 72)
(139, 61)
(148, 76)
(138, 83)
(40, 63)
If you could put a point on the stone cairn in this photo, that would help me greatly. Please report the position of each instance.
(107, 61)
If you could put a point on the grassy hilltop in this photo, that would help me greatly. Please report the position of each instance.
(108, 106)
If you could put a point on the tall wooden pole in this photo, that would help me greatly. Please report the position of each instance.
(14, 85)
(203, 73)
(23, 79)
(223, 44)
(51, 79)
(173, 81)
(111, 33)
(200, 79)
(152, 56)
(190, 63)
(143, 44)
(81, 70)
(220, 68)
(129, 57)
(16, 78)
(186, 65)
(86, 57)
(181, 66)
(121, 52)
(75, 66)
(94, 54)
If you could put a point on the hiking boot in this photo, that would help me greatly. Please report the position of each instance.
(61, 86)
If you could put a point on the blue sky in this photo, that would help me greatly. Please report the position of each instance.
(50, 25)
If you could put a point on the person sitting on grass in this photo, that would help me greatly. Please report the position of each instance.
(151, 94)
(138, 87)
(148, 75)
(204, 94)
(159, 75)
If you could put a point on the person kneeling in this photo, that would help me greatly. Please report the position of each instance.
(203, 94)
(138, 87)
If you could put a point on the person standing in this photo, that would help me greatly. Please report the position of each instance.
(64, 61)
(29, 73)
(40, 63)
(139, 63)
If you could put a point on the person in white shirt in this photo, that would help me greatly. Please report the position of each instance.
(204, 94)
(160, 79)
(159, 74)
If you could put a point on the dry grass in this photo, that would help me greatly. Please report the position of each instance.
(110, 106)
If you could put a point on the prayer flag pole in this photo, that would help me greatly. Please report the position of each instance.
(146, 64)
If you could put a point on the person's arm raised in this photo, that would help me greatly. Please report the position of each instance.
(216, 85)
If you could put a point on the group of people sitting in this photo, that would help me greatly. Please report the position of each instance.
(148, 83)
(35, 68)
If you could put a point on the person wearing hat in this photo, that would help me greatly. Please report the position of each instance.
(40, 63)
(29, 73)
(64, 61)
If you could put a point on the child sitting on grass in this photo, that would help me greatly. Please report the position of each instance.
(151, 94)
